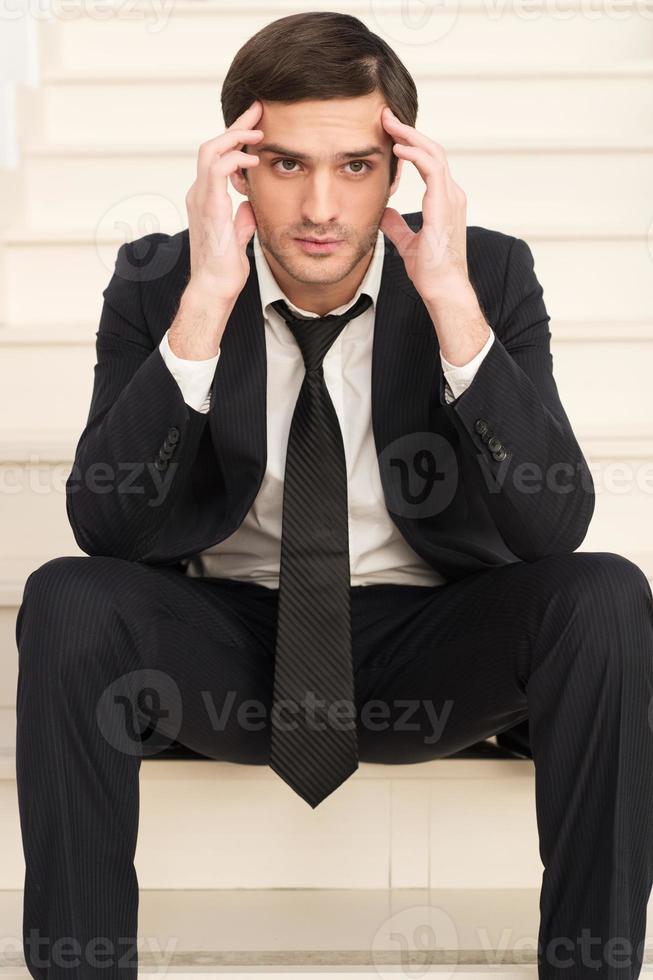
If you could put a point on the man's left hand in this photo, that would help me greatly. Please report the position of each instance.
(435, 256)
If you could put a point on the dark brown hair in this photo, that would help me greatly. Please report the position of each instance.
(317, 55)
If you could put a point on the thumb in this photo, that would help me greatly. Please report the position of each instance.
(394, 226)
(244, 223)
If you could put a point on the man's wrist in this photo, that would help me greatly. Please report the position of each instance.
(460, 325)
(196, 331)
(204, 292)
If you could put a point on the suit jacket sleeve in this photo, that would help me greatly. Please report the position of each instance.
(541, 495)
(193, 377)
(459, 377)
(118, 494)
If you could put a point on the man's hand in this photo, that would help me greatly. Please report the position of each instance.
(219, 264)
(435, 257)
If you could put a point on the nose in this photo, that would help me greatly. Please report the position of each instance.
(319, 206)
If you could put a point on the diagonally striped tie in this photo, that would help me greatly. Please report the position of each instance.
(314, 745)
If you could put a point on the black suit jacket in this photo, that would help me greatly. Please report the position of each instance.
(156, 481)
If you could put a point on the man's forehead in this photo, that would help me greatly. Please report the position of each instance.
(318, 132)
(362, 113)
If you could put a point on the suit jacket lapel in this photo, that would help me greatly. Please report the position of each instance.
(406, 373)
(404, 379)
(237, 415)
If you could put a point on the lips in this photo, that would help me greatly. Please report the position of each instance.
(320, 246)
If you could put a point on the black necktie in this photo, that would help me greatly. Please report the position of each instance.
(314, 745)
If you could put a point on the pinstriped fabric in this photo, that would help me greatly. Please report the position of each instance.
(566, 641)
(219, 462)
(313, 751)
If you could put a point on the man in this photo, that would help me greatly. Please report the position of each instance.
(325, 465)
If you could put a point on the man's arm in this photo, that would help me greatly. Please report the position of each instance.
(120, 492)
(541, 495)
(459, 377)
(194, 377)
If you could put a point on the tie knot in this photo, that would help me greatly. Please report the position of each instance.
(315, 335)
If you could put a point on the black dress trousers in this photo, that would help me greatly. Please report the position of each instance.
(106, 645)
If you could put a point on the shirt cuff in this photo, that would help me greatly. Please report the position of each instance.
(193, 377)
(459, 377)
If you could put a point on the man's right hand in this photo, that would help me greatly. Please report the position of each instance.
(219, 264)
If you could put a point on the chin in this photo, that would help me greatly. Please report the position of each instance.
(323, 269)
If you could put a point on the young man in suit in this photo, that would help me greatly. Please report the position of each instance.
(326, 466)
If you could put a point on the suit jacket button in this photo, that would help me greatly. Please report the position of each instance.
(160, 464)
(173, 434)
(166, 452)
(494, 444)
(481, 426)
(486, 436)
(500, 454)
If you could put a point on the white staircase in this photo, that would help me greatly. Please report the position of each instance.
(546, 124)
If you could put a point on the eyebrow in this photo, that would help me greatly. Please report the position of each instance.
(348, 155)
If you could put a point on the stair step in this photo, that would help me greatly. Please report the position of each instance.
(495, 143)
(603, 99)
(490, 69)
(67, 333)
(341, 933)
(499, 186)
(464, 821)
(578, 269)
(325, 928)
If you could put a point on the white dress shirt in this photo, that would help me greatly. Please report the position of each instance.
(377, 550)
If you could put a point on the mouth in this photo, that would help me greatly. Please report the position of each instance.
(319, 244)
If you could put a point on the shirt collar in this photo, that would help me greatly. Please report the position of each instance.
(270, 290)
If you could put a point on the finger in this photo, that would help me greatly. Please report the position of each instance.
(227, 163)
(244, 223)
(220, 144)
(247, 118)
(410, 136)
(434, 175)
(222, 166)
(398, 231)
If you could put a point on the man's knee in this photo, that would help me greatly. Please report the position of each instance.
(598, 581)
(607, 599)
(63, 597)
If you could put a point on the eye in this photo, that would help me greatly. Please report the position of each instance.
(356, 173)
(365, 164)
(284, 160)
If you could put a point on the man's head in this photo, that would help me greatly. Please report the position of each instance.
(323, 79)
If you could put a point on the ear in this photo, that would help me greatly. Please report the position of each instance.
(395, 182)
(239, 182)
